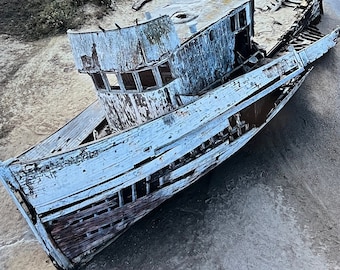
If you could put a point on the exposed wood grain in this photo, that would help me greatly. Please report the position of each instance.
(70, 135)
(145, 44)
(81, 198)
(126, 110)
(121, 152)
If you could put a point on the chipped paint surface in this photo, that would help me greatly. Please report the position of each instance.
(174, 116)
(193, 66)
(143, 44)
(127, 149)
(131, 109)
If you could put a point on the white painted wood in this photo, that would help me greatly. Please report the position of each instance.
(51, 180)
(320, 47)
(127, 182)
(126, 110)
(143, 44)
(62, 183)
(70, 135)
(37, 228)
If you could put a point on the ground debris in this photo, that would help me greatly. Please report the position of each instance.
(139, 4)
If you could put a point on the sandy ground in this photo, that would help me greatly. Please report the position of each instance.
(273, 205)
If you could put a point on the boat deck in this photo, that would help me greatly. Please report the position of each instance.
(272, 17)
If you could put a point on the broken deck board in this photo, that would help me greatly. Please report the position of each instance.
(88, 163)
(69, 137)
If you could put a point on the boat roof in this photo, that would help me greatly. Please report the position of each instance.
(136, 45)
(272, 17)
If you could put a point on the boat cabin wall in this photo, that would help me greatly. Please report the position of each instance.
(125, 64)
(124, 49)
(145, 94)
(128, 109)
(210, 55)
(143, 77)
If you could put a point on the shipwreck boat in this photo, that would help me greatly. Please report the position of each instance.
(167, 113)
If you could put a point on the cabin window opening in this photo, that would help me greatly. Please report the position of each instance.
(98, 80)
(233, 23)
(129, 81)
(112, 80)
(147, 79)
(164, 70)
(243, 18)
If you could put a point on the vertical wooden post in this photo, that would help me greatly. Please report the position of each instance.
(148, 178)
(134, 192)
(120, 198)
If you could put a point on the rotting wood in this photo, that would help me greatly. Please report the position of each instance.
(69, 137)
(175, 115)
(129, 144)
(304, 20)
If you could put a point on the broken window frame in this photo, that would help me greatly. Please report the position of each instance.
(122, 81)
(98, 81)
(239, 21)
(164, 75)
(159, 77)
(102, 83)
(145, 79)
(242, 18)
(112, 87)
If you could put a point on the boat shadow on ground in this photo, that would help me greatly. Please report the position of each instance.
(263, 196)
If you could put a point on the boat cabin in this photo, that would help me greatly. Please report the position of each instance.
(144, 71)
(79, 195)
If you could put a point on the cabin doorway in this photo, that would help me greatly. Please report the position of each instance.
(242, 45)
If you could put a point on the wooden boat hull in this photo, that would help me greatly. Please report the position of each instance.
(77, 202)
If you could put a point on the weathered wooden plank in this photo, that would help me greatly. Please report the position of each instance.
(69, 136)
(166, 155)
(132, 214)
(107, 159)
(209, 54)
(37, 228)
(145, 43)
(134, 211)
(320, 47)
(126, 110)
